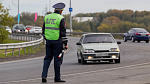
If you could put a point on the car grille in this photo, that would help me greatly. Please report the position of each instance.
(97, 51)
(22, 30)
(102, 57)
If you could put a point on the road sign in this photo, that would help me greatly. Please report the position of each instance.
(70, 9)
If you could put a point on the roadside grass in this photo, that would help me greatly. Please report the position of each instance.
(118, 37)
(12, 41)
(23, 51)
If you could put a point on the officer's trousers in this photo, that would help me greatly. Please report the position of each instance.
(53, 49)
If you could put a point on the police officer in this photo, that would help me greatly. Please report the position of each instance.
(53, 30)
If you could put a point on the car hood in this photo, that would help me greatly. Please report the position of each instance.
(100, 46)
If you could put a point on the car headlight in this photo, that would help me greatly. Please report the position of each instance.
(88, 51)
(18, 30)
(26, 30)
(114, 50)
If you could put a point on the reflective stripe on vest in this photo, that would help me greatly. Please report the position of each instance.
(52, 28)
(52, 22)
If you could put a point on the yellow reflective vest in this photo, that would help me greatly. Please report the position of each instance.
(52, 22)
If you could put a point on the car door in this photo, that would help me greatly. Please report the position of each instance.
(127, 36)
(131, 34)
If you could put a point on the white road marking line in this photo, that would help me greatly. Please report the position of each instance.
(22, 60)
(78, 73)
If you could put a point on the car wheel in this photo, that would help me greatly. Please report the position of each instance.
(83, 61)
(79, 60)
(147, 41)
(118, 60)
(124, 39)
(138, 41)
(133, 40)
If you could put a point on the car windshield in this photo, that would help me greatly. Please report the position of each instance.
(21, 27)
(140, 31)
(38, 28)
(29, 27)
(98, 38)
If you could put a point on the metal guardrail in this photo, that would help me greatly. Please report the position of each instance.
(20, 45)
(24, 37)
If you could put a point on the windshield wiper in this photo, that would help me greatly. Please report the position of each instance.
(107, 42)
(93, 42)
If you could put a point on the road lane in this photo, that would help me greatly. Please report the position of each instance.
(131, 54)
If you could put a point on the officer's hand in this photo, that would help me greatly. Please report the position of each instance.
(66, 47)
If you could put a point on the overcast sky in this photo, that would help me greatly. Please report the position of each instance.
(79, 6)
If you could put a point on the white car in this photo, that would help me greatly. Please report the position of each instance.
(36, 30)
(8, 29)
(98, 47)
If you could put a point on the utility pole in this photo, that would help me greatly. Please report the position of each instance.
(49, 5)
(46, 10)
(18, 12)
(70, 9)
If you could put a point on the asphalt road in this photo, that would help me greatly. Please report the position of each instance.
(133, 69)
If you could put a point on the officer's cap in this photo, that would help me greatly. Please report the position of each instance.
(59, 6)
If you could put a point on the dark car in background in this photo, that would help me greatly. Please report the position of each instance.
(137, 34)
(19, 28)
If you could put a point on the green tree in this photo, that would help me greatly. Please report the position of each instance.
(104, 28)
(111, 20)
(5, 20)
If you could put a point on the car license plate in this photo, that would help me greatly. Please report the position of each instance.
(143, 34)
(102, 54)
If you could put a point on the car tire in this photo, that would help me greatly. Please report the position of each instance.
(147, 41)
(124, 39)
(83, 61)
(79, 60)
(133, 40)
(138, 41)
(118, 60)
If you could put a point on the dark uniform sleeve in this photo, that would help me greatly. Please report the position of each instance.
(63, 29)
(43, 30)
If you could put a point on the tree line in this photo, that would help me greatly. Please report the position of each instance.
(113, 21)
(116, 21)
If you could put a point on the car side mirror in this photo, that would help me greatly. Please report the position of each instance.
(78, 43)
(118, 42)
